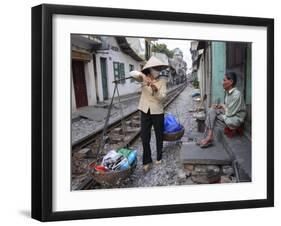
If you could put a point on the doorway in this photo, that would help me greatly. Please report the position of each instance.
(103, 63)
(79, 83)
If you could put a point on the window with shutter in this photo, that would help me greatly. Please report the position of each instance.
(116, 70)
(119, 71)
(122, 72)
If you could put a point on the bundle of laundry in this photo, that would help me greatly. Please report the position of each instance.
(114, 160)
(171, 124)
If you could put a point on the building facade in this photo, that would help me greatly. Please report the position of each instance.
(210, 62)
(96, 62)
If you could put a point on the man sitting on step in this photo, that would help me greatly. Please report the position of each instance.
(232, 113)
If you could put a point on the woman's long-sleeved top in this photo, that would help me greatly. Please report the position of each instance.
(149, 99)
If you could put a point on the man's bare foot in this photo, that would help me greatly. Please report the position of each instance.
(202, 141)
(206, 143)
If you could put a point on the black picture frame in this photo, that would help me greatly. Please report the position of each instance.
(42, 107)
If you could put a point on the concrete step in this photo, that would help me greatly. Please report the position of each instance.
(240, 149)
(191, 153)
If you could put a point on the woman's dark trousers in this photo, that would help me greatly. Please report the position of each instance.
(147, 121)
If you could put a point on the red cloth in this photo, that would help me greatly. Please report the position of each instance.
(231, 132)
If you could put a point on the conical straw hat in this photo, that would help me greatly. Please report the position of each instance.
(154, 62)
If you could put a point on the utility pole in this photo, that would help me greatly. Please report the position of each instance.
(147, 50)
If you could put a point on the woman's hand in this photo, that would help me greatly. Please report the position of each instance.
(149, 82)
(146, 79)
(154, 88)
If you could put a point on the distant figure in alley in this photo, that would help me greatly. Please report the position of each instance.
(232, 113)
(151, 107)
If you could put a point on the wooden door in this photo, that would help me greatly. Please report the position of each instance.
(79, 83)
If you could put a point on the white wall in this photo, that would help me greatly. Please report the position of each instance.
(16, 109)
(73, 99)
(90, 82)
(201, 73)
(204, 73)
(113, 56)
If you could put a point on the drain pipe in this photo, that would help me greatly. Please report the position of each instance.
(236, 172)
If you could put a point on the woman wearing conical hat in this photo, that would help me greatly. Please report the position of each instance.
(151, 107)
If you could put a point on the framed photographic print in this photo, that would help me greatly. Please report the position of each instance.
(145, 112)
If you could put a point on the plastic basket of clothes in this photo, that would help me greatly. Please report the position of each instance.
(173, 130)
(114, 167)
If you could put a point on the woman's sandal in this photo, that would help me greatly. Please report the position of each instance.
(146, 167)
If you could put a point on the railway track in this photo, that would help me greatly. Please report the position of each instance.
(85, 151)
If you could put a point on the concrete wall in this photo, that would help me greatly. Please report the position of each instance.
(90, 82)
(218, 70)
(201, 74)
(116, 56)
(248, 93)
(204, 73)
(73, 99)
(208, 73)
